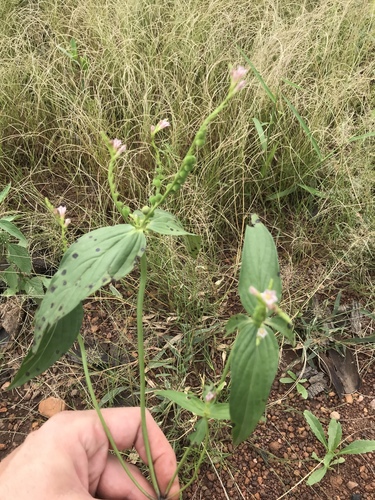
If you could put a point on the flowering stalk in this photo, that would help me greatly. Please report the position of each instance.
(60, 213)
(116, 148)
(237, 83)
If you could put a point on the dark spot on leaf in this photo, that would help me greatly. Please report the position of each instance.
(90, 236)
(60, 308)
(278, 274)
(39, 336)
(57, 351)
(171, 229)
(95, 239)
(52, 305)
(63, 272)
(104, 280)
(97, 249)
(27, 374)
(290, 325)
(65, 282)
(37, 369)
(257, 221)
(91, 287)
(52, 288)
(43, 319)
(75, 255)
(143, 249)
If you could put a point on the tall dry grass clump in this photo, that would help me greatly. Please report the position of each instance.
(149, 60)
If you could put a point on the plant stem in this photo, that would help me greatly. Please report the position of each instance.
(141, 364)
(103, 422)
(226, 369)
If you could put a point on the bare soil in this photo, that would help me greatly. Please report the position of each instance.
(273, 464)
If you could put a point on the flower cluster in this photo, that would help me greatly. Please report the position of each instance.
(238, 81)
(162, 124)
(118, 147)
(268, 297)
(61, 211)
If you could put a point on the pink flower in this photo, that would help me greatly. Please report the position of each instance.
(118, 146)
(60, 211)
(210, 396)
(270, 298)
(67, 222)
(238, 78)
(162, 124)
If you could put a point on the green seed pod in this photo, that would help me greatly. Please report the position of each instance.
(145, 210)
(200, 142)
(152, 200)
(158, 198)
(156, 182)
(259, 315)
(189, 161)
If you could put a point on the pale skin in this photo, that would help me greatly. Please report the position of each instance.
(68, 458)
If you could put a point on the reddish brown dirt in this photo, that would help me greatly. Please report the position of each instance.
(271, 465)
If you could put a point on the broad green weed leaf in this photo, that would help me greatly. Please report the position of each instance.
(19, 256)
(4, 192)
(236, 321)
(193, 244)
(316, 427)
(10, 277)
(259, 267)
(334, 434)
(201, 429)
(317, 476)
(283, 326)
(357, 447)
(91, 262)
(218, 411)
(262, 136)
(253, 368)
(165, 223)
(33, 287)
(187, 401)
(301, 390)
(55, 342)
(13, 230)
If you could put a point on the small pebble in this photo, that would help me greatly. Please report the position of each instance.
(351, 485)
(349, 398)
(335, 415)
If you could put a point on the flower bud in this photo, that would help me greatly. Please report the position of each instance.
(145, 210)
(189, 160)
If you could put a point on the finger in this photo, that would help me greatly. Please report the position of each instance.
(116, 484)
(125, 427)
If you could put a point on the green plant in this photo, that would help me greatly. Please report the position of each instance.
(110, 253)
(293, 379)
(16, 259)
(333, 455)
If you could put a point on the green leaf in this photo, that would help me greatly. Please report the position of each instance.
(282, 194)
(313, 191)
(283, 326)
(187, 401)
(218, 411)
(260, 267)
(193, 244)
(302, 391)
(19, 256)
(316, 427)
(317, 476)
(359, 446)
(236, 321)
(253, 369)
(286, 380)
(259, 78)
(334, 434)
(10, 276)
(261, 134)
(305, 128)
(165, 223)
(13, 230)
(201, 429)
(110, 396)
(91, 262)
(4, 192)
(55, 342)
(34, 287)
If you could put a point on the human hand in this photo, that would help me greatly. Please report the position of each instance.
(68, 458)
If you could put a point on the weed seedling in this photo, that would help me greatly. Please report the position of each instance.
(293, 379)
(333, 455)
